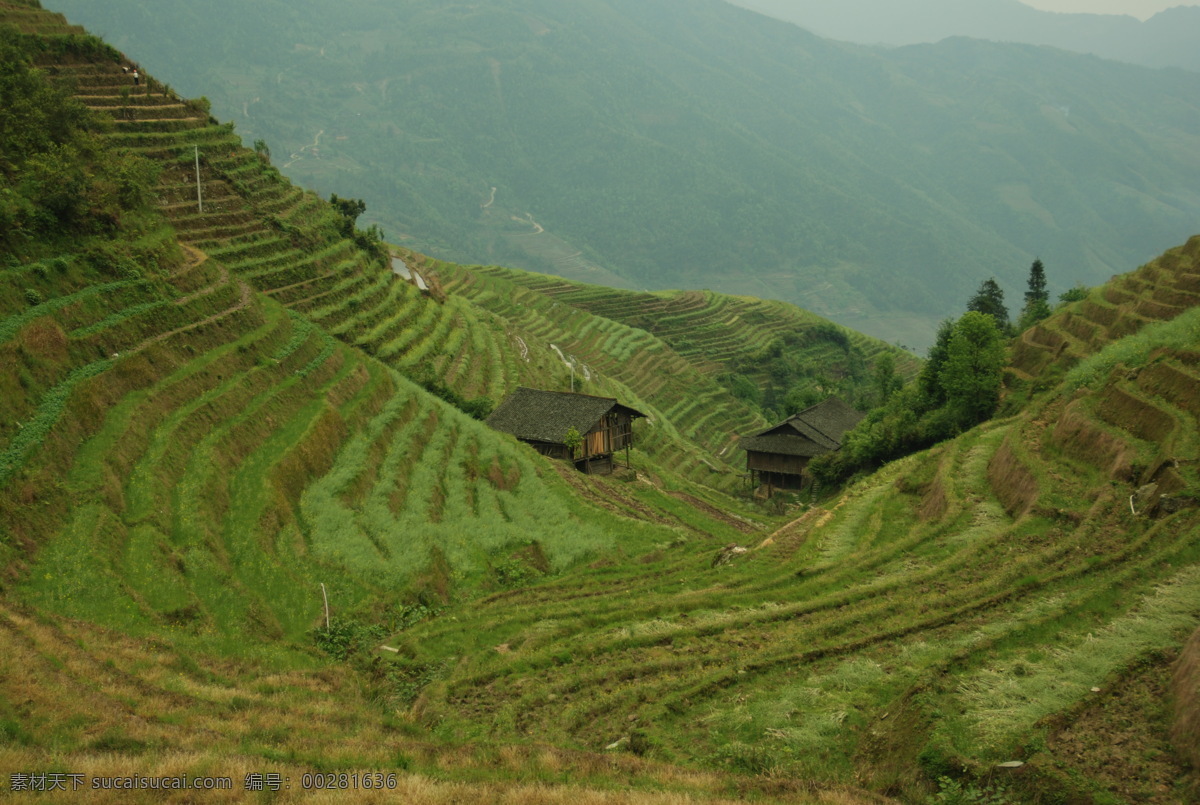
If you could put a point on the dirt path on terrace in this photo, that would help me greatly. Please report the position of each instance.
(243, 301)
(715, 513)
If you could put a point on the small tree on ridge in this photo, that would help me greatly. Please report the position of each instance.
(989, 299)
(1037, 298)
(972, 373)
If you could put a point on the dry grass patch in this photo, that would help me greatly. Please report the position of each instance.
(1011, 480)
(1185, 689)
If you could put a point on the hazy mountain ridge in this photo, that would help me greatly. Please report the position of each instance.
(716, 148)
(1164, 40)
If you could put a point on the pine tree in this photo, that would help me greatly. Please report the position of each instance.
(1037, 285)
(1037, 299)
(990, 300)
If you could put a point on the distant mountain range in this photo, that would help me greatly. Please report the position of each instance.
(656, 144)
(1167, 39)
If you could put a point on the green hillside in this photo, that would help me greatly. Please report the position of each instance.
(204, 431)
(285, 242)
(656, 145)
(214, 417)
(1017, 594)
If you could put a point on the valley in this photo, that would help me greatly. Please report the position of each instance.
(664, 146)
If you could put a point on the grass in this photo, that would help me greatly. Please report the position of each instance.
(1002, 702)
(50, 408)
(943, 594)
(1182, 332)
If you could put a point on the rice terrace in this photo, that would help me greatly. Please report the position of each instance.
(255, 528)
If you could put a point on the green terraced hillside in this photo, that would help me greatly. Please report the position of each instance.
(773, 347)
(286, 243)
(214, 417)
(1016, 595)
(187, 466)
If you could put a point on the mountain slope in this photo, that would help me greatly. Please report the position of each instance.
(664, 147)
(187, 466)
(1160, 41)
(186, 461)
(1016, 594)
(287, 244)
(259, 244)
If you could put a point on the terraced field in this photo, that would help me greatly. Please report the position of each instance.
(187, 465)
(1158, 291)
(961, 609)
(140, 710)
(285, 243)
(182, 417)
(282, 240)
(237, 455)
(721, 333)
(686, 405)
(202, 436)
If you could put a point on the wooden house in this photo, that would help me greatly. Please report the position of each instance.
(544, 418)
(779, 455)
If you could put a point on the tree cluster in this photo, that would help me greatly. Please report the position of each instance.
(57, 179)
(958, 387)
(791, 380)
(369, 239)
(989, 299)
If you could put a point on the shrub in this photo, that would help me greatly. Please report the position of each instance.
(514, 573)
(477, 408)
(409, 615)
(953, 792)
(342, 638)
(1076, 294)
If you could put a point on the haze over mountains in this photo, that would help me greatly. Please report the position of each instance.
(1167, 39)
(656, 145)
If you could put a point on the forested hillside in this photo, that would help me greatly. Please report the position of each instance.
(249, 530)
(699, 145)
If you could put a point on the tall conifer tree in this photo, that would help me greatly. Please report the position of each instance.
(1037, 304)
(989, 299)
(1037, 285)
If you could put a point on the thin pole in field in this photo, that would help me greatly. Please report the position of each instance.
(199, 197)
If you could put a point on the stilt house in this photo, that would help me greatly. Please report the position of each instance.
(544, 418)
(778, 456)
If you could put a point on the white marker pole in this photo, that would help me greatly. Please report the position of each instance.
(199, 198)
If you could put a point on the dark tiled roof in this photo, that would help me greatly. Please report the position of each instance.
(546, 416)
(831, 418)
(811, 432)
(784, 445)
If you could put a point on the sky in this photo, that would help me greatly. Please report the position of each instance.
(1142, 9)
